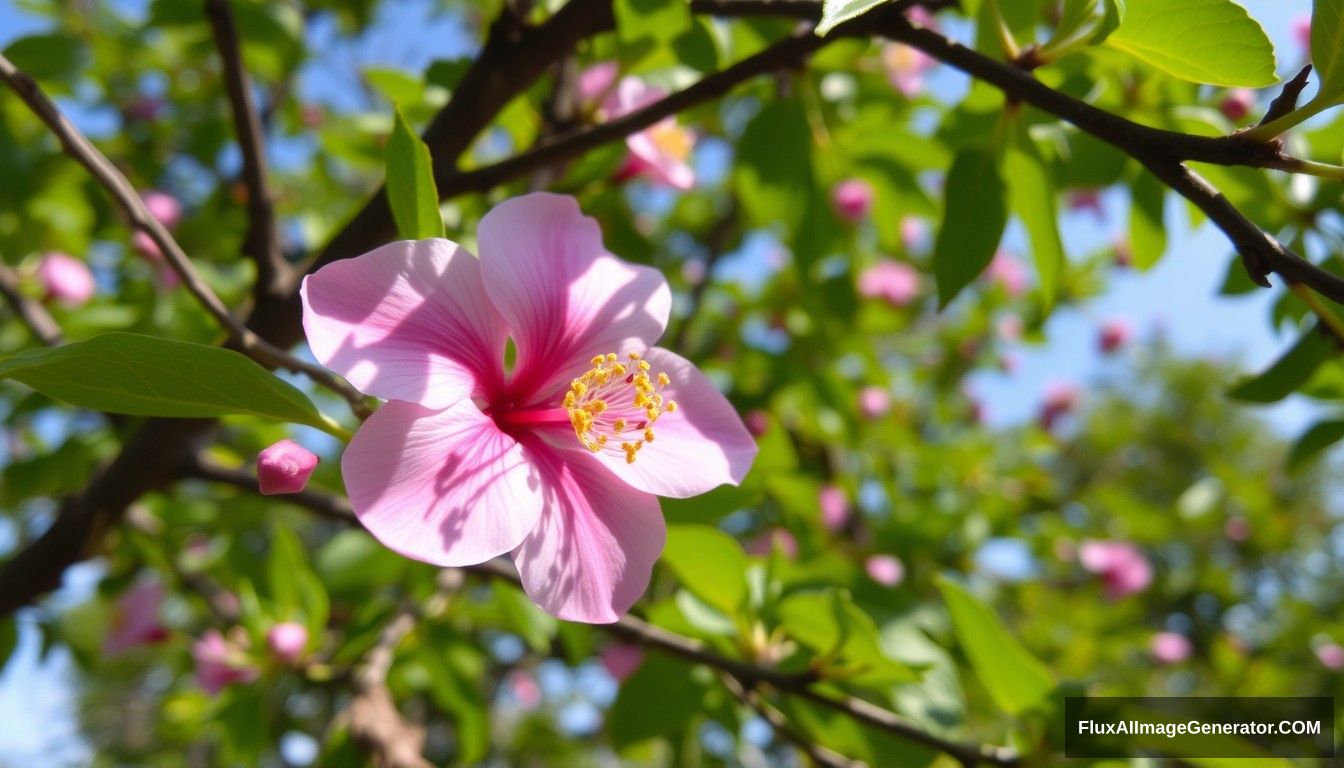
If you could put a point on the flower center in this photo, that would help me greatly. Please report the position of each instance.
(614, 404)
(672, 139)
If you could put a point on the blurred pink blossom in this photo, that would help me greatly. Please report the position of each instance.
(1008, 273)
(1123, 568)
(135, 619)
(1169, 647)
(621, 660)
(912, 232)
(1301, 28)
(287, 641)
(1331, 655)
(775, 538)
(1086, 200)
(660, 152)
(874, 402)
(1061, 398)
(905, 68)
(65, 279)
(1237, 104)
(757, 422)
(886, 570)
(222, 662)
(163, 207)
(596, 82)
(524, 689)
(1114, 334)
(834, 507)
(852, 199)
(1237, 529)
(284, 468)
(893, 281)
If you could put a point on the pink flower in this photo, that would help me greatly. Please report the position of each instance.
(1169, 648)
(1237, 104)
(146, 247)
(65, 279)
(287, 641)
(559, 461)
(1122, 567)
(757, 422)
(1301, 27)
(660, 152)
(1087, 200)
(1007, 273)
(222, 662)
(1061, 398)
(886, 570)
(163, 207)
(1237, 529)
(905, 68)
(596, 82)
(1114, 334)
(524, 689)
(135, 620)
(874, 402)
(892, 281)
(621, 659)
(1331, 655)
(284, 468)
(834, 507)
(852, 199)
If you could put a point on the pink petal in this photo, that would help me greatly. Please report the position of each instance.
(444, 487)
(590, 557)
(597, 81)
(136, 618)
(407, 321)
(565, 298)
(658, 164)
(700, 445)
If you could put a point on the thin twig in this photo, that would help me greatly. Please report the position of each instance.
(82, 150)
(263, 237)
(819, 754)
(31, 313)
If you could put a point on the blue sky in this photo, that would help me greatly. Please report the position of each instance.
(1179, 295)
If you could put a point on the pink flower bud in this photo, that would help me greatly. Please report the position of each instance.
(287, 641)
(621, 659)
(775, 538)
(135, 619)
(874, 402)
(1061, 399)
(1088, 200)
(65, 279)
(597, 81)
(1007, 273)
(912, 232)
(853, 199)
(1301, 26)
(886, 570)
(163, 207)
(1331, 655)
(905, 68)
(1114, 334)
(757, 422)
(222, 662)
(284, 468)
(524, 689)
(1169, 648)
(834, 507)
(1237, 529)
(891, 281)
(1124, 570)
(1237, 104)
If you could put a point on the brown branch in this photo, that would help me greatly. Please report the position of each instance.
(327, 505)
(31, 313)
(105, 173)
(263, 238)
(372, 716)
(817, 753)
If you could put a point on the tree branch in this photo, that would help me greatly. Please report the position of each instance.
(31, 313)
(105, 173)
(263, 237)
(819, 754)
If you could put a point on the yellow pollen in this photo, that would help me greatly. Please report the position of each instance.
(672, 138)
(612, 398)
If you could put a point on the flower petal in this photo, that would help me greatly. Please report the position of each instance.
(700, 445)
(407, 321)
(590, 556)
(659, 164)
(444, 487)
(564, 297)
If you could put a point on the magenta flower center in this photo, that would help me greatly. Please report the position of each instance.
(614, 404)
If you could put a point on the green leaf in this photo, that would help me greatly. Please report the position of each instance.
(410, 184)
(655, 20)
(1015, 680)
(1327, 47)
(1147, 220)
(1213, 42)
(836, 12)
(1032, 191)
(710, 563)
(1111, 20)
(285, 561)
(1288, 372)
(49, 57)
(1322, 435)
(659, 699)
(773, 172)
(830, 624)
(974, 217)
(148, 376)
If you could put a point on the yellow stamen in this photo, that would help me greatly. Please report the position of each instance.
(611, 398)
